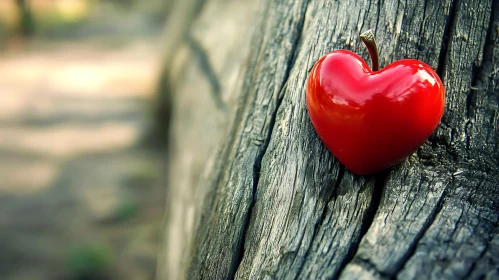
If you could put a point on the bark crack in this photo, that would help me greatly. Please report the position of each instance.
(479, 80)
(258, 160)
(447, 39)
(372, 267)
(429, 221)
(421, 28)
(321, 219)
(380, 182)
(225, 150)
(482, 254)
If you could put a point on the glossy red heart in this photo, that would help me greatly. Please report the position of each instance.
(373, 120)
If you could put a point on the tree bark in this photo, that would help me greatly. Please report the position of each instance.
(252, 191)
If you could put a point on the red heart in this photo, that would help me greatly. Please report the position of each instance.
(373, 120)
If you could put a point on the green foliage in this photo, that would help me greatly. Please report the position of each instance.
(27, 26)
(55, 22)
(125, 210)
(3, 33)
(87, 261)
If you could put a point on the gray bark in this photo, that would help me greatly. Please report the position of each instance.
(252, 191)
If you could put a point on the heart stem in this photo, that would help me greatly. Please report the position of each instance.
(368, 39)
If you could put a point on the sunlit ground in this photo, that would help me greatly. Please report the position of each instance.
(79, 193)
(69, 101)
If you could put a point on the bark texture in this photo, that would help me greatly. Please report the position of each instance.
(252, 191)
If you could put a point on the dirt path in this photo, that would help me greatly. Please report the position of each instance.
(77, 193)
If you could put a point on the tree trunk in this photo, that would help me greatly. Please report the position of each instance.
(252, 191)
(26, 24)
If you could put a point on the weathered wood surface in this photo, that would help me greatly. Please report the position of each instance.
(253, 193)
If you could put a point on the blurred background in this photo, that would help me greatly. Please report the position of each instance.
(80, 164)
